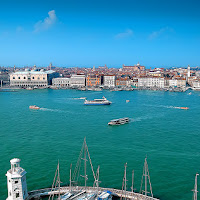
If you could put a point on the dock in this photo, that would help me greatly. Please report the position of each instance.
(37, 194)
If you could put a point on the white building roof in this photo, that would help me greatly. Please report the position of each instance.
(33, 72)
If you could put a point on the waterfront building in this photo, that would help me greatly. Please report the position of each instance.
(137, 67)
(109, 80)
(16, 181)
(93, 80)
(61, 82)
(122, 81)
(156, 82)
(77, 80)
(32, 78)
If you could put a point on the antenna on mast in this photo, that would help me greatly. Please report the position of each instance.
(195, 188)
(146, 176)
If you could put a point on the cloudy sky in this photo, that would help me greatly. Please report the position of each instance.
(157, 33)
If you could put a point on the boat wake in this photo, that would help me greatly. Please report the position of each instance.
(80, 98)
(51, 110)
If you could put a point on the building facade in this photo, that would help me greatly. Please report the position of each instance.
(151, 82)
(61, 82)
(32, 78)
(93, 80)
(77, 80)
(109, 80)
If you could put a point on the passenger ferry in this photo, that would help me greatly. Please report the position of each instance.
(119, 121)
(34, 107)
(97, 102)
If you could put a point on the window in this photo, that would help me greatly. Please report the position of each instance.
(13, 77)
(24, 77)
(38, 78)
(16, 182)
(19, 77)
(43, 78)
(17, 195)
(33, 77)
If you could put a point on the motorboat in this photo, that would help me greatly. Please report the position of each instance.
(34, 107)
(94, 102)
(184, 108)
(120, 121)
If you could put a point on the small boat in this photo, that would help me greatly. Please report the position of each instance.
(184, 108)
(127, 101)
(66, 196)
(106, 195)
(97, 102)
(34, 107)
(120, 121)
(29, 88)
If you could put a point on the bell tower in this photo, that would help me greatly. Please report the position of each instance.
(16, 181)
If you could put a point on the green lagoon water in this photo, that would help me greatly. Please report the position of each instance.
(170, 137)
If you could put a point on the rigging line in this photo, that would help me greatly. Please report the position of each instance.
(90, 162)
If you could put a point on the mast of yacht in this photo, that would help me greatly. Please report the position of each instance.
(132, 186)
(70, 178)
(195, 188)
(58, 180)
(146, 176)
(124, 182)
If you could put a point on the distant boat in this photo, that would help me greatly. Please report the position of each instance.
(184, 108)
(30, 88)
(127, 101)
(97, 102)
(120, 121)
(34, 107)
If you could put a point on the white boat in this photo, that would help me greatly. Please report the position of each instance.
(66, 196)
(106, 195)
(89, 196)
(94, 102)
(119, 121)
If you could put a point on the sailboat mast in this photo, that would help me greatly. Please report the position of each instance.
(145, 171)
(85, 162)
(58, 180)
(132, 187)
(125, 179)
(70, 178)
(195, 187)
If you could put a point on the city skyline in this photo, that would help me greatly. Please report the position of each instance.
(94, 33)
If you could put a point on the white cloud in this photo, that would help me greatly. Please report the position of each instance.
(158, 33)
(127, 33)
(47, 23)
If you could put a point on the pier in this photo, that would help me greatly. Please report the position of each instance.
(37, 194)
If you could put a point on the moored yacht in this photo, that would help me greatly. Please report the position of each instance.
(94, 102)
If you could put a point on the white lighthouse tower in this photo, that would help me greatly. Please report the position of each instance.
(16, 181)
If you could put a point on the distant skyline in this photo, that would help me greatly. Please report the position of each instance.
(97, 32)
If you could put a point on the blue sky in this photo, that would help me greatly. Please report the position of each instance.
(157, 33)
